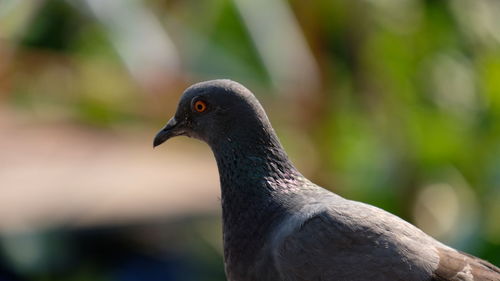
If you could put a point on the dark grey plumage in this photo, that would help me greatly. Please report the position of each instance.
(280, 226)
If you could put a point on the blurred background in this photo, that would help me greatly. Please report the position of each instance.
(395, 103)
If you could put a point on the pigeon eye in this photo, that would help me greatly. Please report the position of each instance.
(200, 106)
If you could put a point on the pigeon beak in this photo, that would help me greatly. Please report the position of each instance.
(170, 130)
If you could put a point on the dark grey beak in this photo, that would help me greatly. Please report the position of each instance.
(170, 130)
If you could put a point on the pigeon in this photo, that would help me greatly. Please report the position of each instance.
(278, 225)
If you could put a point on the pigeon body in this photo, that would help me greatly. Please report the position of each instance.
(278, 225)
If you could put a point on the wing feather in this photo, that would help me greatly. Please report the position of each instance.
(458, 266)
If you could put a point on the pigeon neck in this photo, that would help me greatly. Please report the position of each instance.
(254, 173)
(255, 163)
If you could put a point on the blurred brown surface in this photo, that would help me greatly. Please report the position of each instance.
(65, 174)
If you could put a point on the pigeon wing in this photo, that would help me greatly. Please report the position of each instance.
(355, 242)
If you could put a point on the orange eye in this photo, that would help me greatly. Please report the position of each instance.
(200, 106)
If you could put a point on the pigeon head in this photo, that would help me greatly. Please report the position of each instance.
(217, 111)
